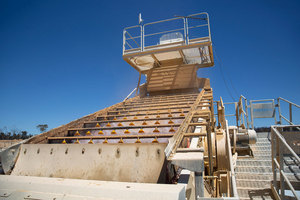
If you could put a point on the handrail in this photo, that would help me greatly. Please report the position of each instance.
(277, 161)
(290, 120)
(132, 38)
(245, 112)
(221, 113)
(178, 29)
(233, 181)
(241, 111)
(161, 21)
(271, 101)
(130, 94)
(289, 102)
(281, 138)
(135, 89)
(183, 26)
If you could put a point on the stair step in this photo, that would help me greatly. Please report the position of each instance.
(261, 153)
(262, 134)
(253, 183)
(261, 144)
(254, 177)
(261, 148)
(262, 140)
(266, 169)
(253, 169)
(256, 157)
(254, 163)
(264, 158)
(254, 174)
(254, 193)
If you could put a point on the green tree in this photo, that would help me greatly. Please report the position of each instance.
(42, 127)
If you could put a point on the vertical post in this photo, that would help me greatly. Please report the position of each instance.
(208, 24)
(199, 185)
(274, 111)
(209, 145)
(142, 31)
(273, 151)
(251, 111)
(187, 31)
(212, 114)
(236, 114)
(143, 45)
(279, 111)
(247, 115)
(142, 37)
(218, 105)
(138, 85)
(184, 30)
(282, 188)
(291, 115)
(124, 41)
(243, 118)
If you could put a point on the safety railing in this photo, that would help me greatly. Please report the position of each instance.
(239, 111)
(264, 108)
(181, 30)
(279, 148)
(129, 95)
(233, 187)
(291, 104)
(136, 90)
(242, 115)
(221, 113)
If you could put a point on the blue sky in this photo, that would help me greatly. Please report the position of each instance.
(61, 60)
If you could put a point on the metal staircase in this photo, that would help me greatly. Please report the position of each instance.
(254, 174)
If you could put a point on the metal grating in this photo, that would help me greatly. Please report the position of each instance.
(254, 174)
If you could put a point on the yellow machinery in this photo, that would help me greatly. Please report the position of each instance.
(164, 143)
